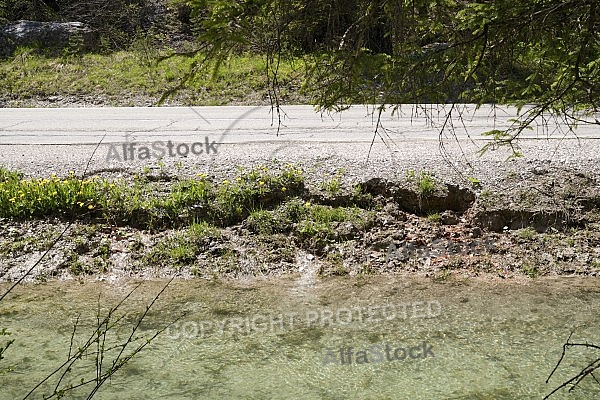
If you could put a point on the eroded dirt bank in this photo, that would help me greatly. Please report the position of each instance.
(547, 224)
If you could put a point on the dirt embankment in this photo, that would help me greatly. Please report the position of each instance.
(547, 225)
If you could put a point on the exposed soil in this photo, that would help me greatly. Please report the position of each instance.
(546, 225)
(184, 98)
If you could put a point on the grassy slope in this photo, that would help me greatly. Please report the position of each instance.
(129, 78)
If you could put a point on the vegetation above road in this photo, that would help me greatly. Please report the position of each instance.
(134, 78)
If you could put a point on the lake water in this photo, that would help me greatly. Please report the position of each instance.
(281, 338)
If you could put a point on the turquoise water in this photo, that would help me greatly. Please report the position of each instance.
(486, 340)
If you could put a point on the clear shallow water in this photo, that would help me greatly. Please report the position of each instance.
(489, 340)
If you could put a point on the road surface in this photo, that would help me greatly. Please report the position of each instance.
(55, 140)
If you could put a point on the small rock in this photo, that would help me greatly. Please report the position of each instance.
(449, 218)
(476, 232)
(540, 171)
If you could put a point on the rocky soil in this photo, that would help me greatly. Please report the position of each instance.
(545, 224)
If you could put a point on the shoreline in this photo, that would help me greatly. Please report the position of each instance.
(480, 237)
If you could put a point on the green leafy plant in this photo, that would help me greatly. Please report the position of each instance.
(527, 233)
(424, 182)
(435, 218)
(475, 183)
(531, 271)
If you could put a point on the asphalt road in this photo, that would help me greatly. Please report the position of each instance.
(243, 124)
(57, 140)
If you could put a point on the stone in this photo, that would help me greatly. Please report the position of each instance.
(45, 35)
(449, 218)
(476, 232)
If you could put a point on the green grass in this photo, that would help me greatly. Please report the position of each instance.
(265, 201)
(122, 76)
(434, 218)
(23, 244)
(424, 182)
(527, 233)
(142, 203)
(307, 220)
(149, 204)
(531, 271)
(262, 222)
(74, 264)
(334, 185)
(182, 247)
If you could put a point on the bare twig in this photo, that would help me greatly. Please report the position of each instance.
(586, 371)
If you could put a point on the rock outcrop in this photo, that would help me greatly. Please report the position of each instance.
(46, 35)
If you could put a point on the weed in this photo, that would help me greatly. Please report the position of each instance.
(145, 203)
(182, 247)
(9, 176)
(136, 244)
(527, 233)
(82, 245)
(74, 264)
(29, 243)
(530, 270)
(308, 229)
(16, 246)
(100, 265)
(201, 230)
(182, 253)
(434, 218)
(475, 183)
(294, 210)
(104, 249)
(425, 183)
(332, 186)
(262, 222)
